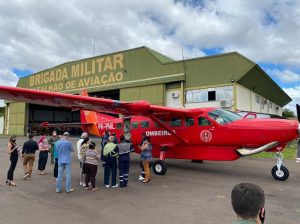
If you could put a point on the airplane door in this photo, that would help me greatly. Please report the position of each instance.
(209, 134)
(127, 126)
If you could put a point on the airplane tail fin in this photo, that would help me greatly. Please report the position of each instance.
(93, 118)
(89, 117)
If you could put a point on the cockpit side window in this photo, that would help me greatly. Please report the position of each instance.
(224, 116)
(202, 121)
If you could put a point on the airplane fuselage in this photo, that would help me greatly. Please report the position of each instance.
(204, 137)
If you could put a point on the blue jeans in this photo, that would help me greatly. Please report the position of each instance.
(110, 167)
(61, 168)
(124, 162)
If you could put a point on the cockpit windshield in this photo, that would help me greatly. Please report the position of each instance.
(224, 116)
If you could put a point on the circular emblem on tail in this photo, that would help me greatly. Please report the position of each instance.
(206, 136)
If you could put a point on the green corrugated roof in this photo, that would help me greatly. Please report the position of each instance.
(162, 58)
(202, 71)
(233, 67)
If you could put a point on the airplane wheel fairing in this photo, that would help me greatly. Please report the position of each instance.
(281, 174)
(159, 167)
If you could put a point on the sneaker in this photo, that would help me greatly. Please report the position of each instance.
(115, 186)
(80, 183)
(71, 190)
(28, 178)
(58, 191)
(107, 186)
(141, 178)
(83, 184)
(25, 176)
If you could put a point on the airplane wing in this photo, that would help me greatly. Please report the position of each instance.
(78, 102)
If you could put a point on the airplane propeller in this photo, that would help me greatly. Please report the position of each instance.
(298, 111)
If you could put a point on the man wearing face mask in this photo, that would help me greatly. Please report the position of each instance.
(248, 201)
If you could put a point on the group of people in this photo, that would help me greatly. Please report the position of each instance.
(115, 155)
(247, 199)
(27, 154)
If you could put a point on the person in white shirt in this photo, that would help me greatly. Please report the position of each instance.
(79, 143)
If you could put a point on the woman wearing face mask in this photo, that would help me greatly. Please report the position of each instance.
(12, 149)
(43, 157)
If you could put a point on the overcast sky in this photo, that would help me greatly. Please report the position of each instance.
(36, 35)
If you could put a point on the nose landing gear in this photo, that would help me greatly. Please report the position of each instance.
(280, 172)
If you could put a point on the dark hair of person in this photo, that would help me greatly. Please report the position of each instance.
(122, 138)
(11, 138)
(30, 136)
(92, 145)
(148, 138)
(247, 199)
(85, 140)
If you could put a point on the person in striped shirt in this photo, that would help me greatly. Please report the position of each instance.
(91, 165)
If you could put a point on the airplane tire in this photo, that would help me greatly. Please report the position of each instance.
(159, 167)
(281, 174)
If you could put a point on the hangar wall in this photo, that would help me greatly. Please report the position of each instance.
(153, 94)
(16, 119)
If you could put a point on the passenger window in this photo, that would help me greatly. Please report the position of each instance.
(157, 125)
(119, 126)
(175, 122)
(134, 125)
(189, 121)
(202, 121)
(145, 124)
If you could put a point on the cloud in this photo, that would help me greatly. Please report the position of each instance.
(37, 35)
(7, 78)
(294, 93)
(43, 34)
(285, 76)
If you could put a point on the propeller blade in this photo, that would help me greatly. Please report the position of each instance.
(298, 111)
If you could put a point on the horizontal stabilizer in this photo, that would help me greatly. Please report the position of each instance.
(249, 152)
(47, 124)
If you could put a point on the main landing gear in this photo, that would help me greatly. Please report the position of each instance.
(159, 166)
(280, 172)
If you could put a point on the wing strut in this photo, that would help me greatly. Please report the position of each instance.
(168, 129)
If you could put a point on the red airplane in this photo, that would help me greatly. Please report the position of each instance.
(194, 134)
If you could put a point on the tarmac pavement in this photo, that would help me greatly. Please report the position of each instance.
(188, 193)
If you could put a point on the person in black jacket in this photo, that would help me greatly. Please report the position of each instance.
(12, 149)
(28, 155)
